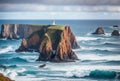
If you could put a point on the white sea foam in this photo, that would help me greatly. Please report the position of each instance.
(9, 73)
(77, 73)
(85, 38)
(99, 48)
(12, 73)
(77, 66)
(83, 57)
(4, 50)
(29, 78)
(107, 34)
(3, 39)
(30, 58)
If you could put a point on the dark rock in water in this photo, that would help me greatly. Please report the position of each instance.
(115, 26)
(115, 33)
(42, 66)
(3, 67)
(53, 42)
(3, 78)
(99, 30)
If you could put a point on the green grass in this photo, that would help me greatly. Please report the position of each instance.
(56, 27)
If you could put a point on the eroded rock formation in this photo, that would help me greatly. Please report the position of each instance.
(115, 33)
(99, 30)
(54, 43)
(3, 78)
(15, 31)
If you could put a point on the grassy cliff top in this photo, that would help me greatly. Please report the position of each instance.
(56, 27)
(51, 30)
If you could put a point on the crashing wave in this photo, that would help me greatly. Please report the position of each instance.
(4, 50)
(99, 74)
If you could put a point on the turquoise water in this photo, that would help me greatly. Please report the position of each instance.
(99, 55)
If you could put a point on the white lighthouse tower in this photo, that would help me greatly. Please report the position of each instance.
(54, 23)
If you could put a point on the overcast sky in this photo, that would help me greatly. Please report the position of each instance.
(60, 9)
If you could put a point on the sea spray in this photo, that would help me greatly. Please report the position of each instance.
(4, 50)
(99, 74)
(77, 74)
(12, 73)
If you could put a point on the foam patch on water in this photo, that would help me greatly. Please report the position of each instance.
(7, 49)
(11, 73)
(29, 78)
(98, 48)
(85, 38)
(107, 34)
(30, 58)
(83, 57)
(92, 74)
(76, 73)
(3, 38)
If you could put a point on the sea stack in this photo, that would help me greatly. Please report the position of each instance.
(53, 42)
(115, 33)
(99, 30)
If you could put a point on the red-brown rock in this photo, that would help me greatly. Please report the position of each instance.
(54, 43)
(3, 78)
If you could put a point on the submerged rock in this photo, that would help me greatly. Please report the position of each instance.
(42, 66)
(115, 33)
(115, 26)
(3, 78)
(53, 42)
(99, 30)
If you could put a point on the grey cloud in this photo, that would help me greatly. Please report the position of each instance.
(65, 2)
(50, 8)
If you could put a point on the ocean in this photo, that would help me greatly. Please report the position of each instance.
(99, 55)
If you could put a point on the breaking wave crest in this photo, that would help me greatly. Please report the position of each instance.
(93, 74)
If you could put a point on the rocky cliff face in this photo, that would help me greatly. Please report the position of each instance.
(54, 43)
(15, 31)
(64, 51)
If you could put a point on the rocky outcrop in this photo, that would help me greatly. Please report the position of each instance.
(99, 30)
(115, 33)
(3, 78)
(115, 26)
(54, 43)
(64, 51)
(46, 50)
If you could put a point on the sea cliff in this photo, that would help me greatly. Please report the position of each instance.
(53, 42)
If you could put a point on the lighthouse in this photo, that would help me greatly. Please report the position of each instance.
(53, 23)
